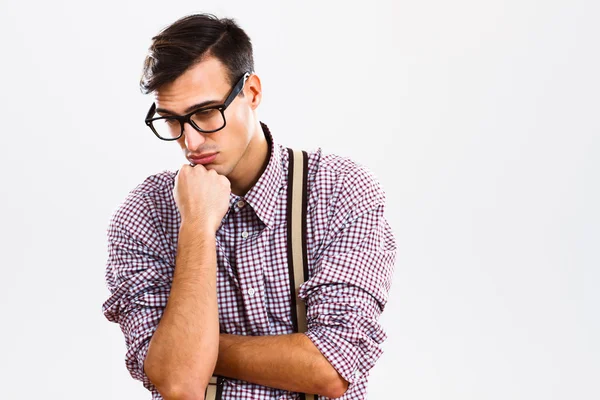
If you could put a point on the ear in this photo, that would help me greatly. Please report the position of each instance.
(253, 91)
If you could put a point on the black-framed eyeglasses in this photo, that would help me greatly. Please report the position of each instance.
(206, 119)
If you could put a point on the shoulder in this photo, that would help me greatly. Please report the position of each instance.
(152, 194)
(156, 184)
(343, 181)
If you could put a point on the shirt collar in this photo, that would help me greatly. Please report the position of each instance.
(262, 197)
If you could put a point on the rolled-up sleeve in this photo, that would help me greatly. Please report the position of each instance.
(351, 280)
(137, 275)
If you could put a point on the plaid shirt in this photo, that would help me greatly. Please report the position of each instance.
(351, 254)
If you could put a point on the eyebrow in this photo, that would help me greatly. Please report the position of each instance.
(191, 108)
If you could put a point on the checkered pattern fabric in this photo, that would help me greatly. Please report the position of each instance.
(351, 254)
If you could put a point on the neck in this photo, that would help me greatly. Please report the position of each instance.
(252, 164)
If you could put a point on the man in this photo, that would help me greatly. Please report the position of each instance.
(197, 265)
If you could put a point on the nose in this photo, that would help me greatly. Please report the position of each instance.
(193, 138)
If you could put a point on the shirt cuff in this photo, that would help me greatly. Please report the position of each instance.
(351, 359)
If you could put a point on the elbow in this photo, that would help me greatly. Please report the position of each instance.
(156, 377)
(332, 384)
(178, 380)
(336, 388)
(182, 393)
(171, 389)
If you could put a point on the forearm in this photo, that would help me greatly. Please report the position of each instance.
(184, 348)
(289, 362)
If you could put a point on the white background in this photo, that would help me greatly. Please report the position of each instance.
(480, 119)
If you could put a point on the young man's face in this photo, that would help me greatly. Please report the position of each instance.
(205, 81)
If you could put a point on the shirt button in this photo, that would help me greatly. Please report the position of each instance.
(244, 234)
(241, 203)
(251, 292)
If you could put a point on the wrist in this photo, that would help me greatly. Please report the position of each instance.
(200, 228)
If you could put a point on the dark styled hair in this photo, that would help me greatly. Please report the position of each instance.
(190, 40)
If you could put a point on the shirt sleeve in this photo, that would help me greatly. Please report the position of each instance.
(138, 279)
(351, 279)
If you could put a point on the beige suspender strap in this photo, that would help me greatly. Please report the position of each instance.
(298, 226)
(297, 252)
(211, 389)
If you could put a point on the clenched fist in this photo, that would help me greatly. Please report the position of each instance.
(202, 196)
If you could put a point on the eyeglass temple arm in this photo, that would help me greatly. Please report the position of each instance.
(237, 88)
(150, 112)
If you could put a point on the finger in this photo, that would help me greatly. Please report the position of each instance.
(183, 166)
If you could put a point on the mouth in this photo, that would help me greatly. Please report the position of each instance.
(204, 158)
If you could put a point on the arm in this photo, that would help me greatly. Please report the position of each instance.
(350, 288)
(148, 305)
(183, 350)
(345, 298)
(290, 362)
(140, 276)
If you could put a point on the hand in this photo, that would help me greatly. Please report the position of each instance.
(201, 195)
